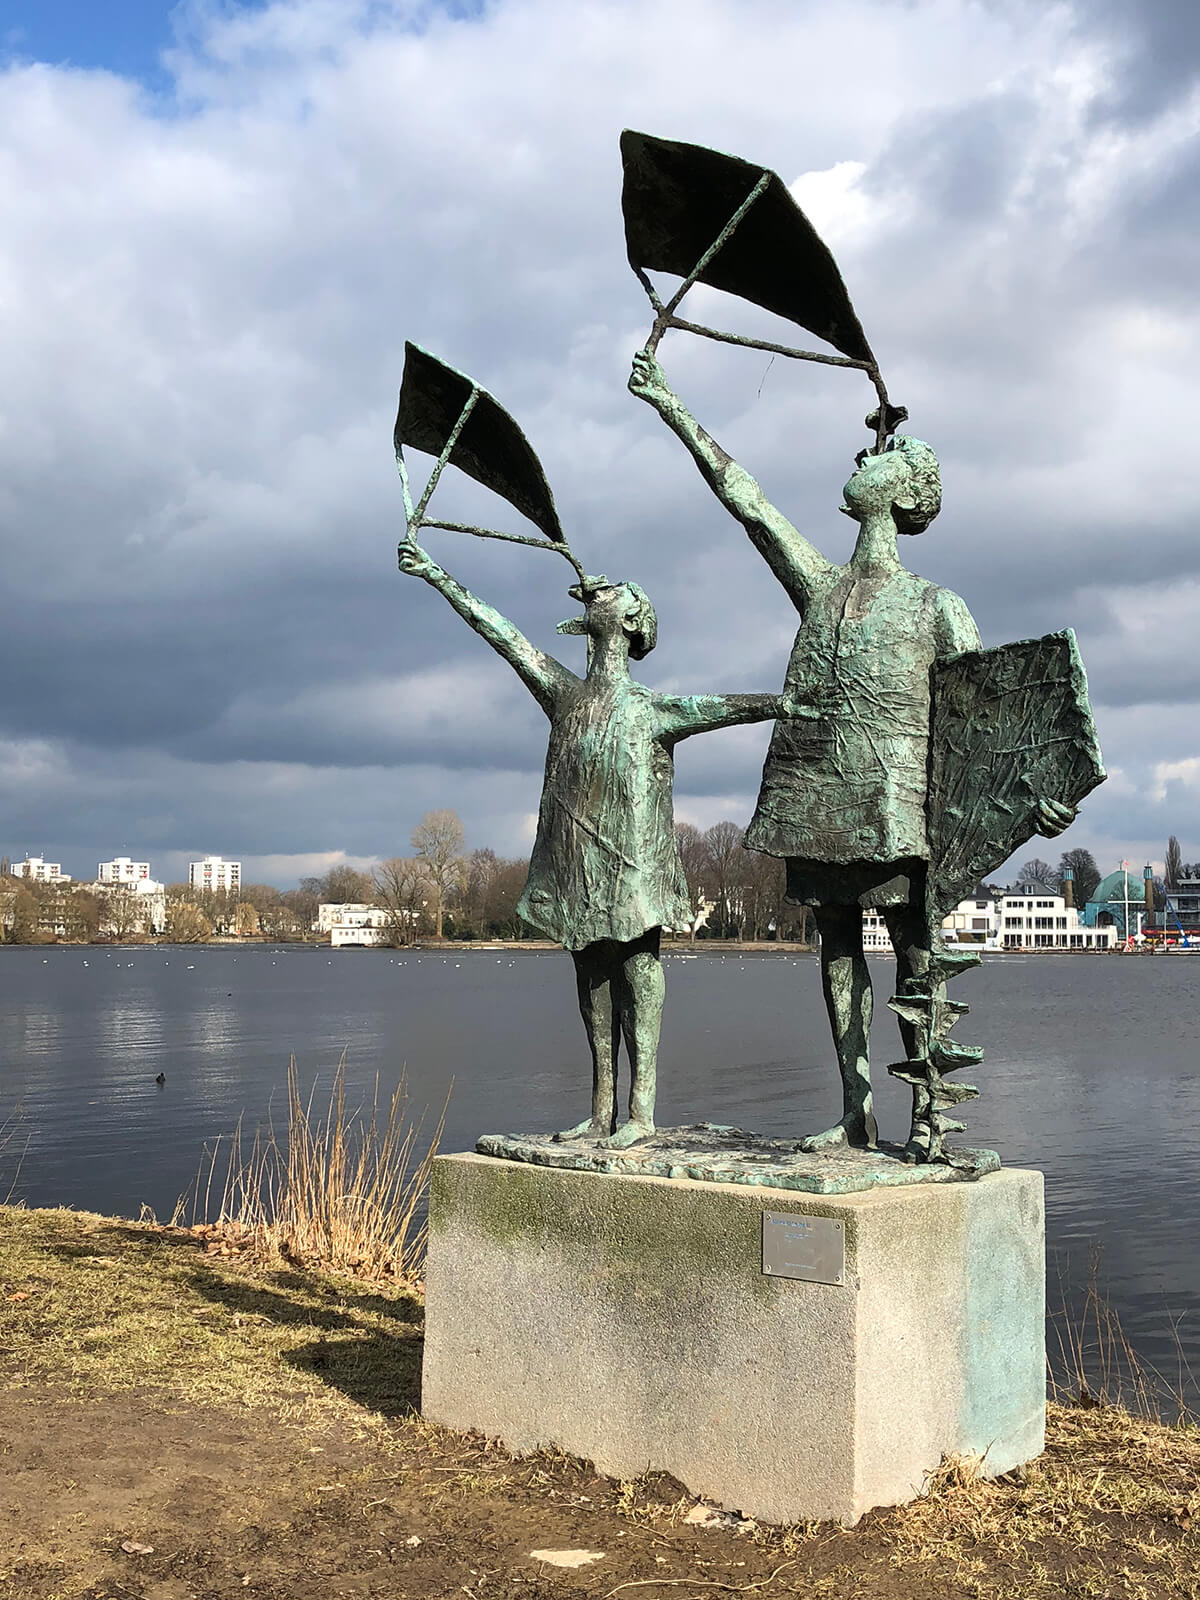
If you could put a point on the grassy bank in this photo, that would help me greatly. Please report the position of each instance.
(177, 1420)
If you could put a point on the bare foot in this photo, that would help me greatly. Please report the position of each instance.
(629, 1134)
(593, 1128)
(857, 1132)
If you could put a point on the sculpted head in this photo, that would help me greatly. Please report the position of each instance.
(613, 609)
(904, 480)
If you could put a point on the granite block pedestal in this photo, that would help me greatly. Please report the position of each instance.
(630, 1320)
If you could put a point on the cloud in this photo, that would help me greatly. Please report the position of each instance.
(205, 295)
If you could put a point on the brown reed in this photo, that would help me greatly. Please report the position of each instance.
(343, 1190)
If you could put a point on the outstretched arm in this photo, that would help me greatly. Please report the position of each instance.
(794, 561)
(542, 674)
(680, 716)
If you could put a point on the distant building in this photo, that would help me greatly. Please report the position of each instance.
(150, 912)
(1028, 916)
(1033, 917)
(1123, 901)
(355, 924)
(215, 873)
(122, 870)
(975, 920)
(39, 871)
(1183, 909)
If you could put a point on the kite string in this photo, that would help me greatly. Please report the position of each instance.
(563, 548)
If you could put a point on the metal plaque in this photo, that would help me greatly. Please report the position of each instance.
(810, 1248)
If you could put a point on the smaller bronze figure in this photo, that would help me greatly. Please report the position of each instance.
(605, 876)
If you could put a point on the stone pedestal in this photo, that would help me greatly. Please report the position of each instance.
(629, 1320)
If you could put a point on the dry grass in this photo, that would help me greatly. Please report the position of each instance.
(13, 1150)
(97, 1305)
(1109, 1511)
(93, 1307)
(1090, 1361)
(343, 1191)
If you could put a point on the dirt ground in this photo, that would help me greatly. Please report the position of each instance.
(177, 1423)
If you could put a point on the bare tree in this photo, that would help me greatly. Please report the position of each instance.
(303, 903)
(1035, 870)
(123, 911)
(186, 923)
(1087, 874)
(246, 919)
(693, 856)
(760, 881)
(439, 841)
(1173, 866)
(345, 886)
(401, 888)
(722, 843)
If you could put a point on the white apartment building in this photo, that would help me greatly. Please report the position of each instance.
(151, 898)
(215, 873)
(354, 924)
(40, 871)
(1026, 917)
(1031, 918)
(122, 870)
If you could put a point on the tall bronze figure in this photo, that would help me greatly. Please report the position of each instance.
(937, 758)
(605, 877)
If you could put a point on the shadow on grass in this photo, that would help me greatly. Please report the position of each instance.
(378, 1371)
(378, 1368)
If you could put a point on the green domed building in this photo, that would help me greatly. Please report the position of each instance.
(1107, 906)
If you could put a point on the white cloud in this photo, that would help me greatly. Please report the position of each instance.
(1185, 772)
(203, 303)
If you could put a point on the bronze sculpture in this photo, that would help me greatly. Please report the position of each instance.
(605, 876)
(854, 805)
(929, 761)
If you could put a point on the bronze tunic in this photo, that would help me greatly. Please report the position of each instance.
(850, 790)
(605, 863)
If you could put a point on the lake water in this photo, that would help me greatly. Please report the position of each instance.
(1091, 1074)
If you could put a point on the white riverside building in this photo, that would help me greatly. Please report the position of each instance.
(354, 924)
(215, 873)
(121, 869)
(151, 897)
(39, 871)
(1027, 917)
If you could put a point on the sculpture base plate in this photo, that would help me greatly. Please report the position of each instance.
(707, 1152)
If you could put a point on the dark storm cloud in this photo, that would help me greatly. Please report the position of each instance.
(1157, 52)
(207, 643)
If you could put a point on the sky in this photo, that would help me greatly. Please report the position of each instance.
(224, 221)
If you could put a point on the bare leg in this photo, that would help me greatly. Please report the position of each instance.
(595, 968)
(846, 982)
(641, 989)
(912, 940)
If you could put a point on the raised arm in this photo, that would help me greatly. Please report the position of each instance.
(680, 716)
(794, 561)
(541, 674)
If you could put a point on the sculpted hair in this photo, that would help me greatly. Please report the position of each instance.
(926, 478)
(642, 622)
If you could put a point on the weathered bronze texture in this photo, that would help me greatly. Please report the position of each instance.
(605, 876)
(867, 809)
(711, 1153)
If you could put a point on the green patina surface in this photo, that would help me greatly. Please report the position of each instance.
(605, 876)
(707, 1153)
(869, 810)
(661, 1233)
(906, 762)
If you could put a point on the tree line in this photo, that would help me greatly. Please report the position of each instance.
(1088, 874)
(443, 890)
(440, 890)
